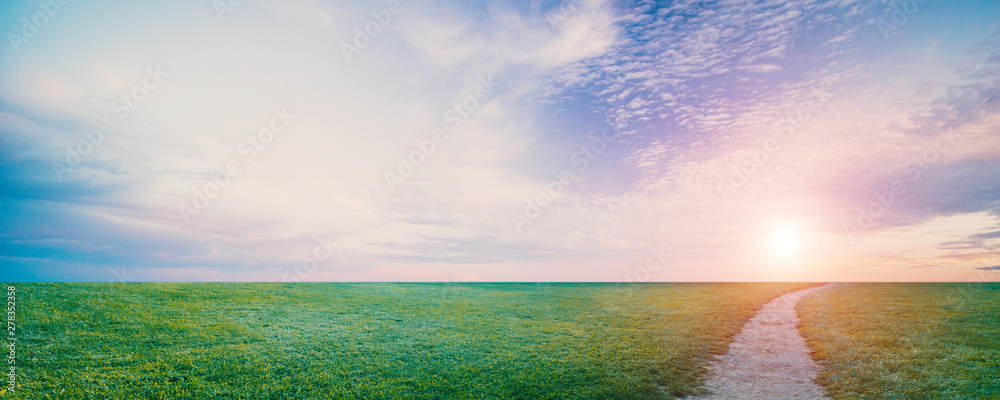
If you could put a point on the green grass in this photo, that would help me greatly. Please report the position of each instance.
(906, 341)
(374, 341)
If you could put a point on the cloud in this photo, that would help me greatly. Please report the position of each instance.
(988, 235)
(586, 29)
(695, 90)
(688, 44)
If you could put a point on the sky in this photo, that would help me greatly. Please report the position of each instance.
(570, 140)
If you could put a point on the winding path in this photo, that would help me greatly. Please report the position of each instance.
(768, 359)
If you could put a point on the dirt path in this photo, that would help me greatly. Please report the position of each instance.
(768, 359)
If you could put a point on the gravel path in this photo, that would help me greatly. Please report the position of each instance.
(768, 359)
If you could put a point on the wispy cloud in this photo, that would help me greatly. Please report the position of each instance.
(801, 111)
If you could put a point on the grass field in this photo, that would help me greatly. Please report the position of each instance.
(906, 341)
(305, 341)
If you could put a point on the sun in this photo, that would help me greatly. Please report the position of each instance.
(785, 241)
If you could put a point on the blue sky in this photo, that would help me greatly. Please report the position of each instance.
(516, 141)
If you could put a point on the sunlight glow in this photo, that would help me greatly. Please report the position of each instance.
(785, 242)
